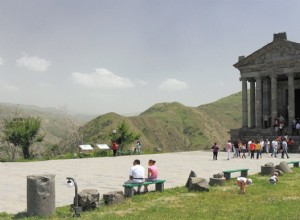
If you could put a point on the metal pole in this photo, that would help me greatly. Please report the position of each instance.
(77, 209)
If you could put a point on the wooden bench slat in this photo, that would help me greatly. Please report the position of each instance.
(227, 173)
(295, 163)
(143, 183)
(129, 191)
(233, 171)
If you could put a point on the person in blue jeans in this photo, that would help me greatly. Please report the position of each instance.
(215, 149)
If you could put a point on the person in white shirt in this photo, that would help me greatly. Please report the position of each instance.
(136, 174)
(267, 145)
(274, 178)
(297, 128)
(274, 148)
(242, 182)
(262, 147)
(284, 149)
(228, 148)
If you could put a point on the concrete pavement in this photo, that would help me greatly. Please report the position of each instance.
(108, 173)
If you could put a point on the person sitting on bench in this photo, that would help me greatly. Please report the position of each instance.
(152, 173)
(136, 174)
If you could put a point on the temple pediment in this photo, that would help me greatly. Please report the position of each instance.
(273, 53)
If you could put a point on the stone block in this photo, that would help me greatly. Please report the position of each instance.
(40, 195)
(217, 181)
(218, 175)
(113, 197)
(284, 167)
(88, 199)
(198, 184)
(267, 170)
(192, 174)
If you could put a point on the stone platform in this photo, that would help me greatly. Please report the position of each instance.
(107, 174)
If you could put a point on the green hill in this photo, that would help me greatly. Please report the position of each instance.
(173, 126)
(167, 126)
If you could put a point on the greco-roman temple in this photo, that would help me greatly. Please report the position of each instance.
(270, 88)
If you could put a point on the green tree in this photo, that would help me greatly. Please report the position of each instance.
(23, 132)
(125, 136)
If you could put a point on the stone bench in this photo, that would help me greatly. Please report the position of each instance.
(227, 173)
(295, 163)
(129, 187)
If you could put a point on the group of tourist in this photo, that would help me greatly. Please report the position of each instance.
(137, 174)
(255, 148)
(279, 124)
(296, 126)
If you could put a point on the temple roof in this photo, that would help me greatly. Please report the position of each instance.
(278, 51)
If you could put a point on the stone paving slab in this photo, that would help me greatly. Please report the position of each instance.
(107, 174)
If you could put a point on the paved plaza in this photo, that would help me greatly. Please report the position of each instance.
(107, 174)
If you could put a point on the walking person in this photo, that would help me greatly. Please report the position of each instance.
(215, 149)
(274, 148)
(236, 148)
(267, 146)
(248, 147)
(262, 147)
(139, 146)
(284, 149)
(244, 150)
(257, 149)
(252, 149)
(228, 148)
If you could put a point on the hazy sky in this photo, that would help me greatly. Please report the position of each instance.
(123, 56)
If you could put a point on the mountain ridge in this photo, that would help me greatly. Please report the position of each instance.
(169, 126)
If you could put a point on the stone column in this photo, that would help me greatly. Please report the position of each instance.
(252, 103)
(244, 103)
(274, 112)
(291, 98)
(258, 103)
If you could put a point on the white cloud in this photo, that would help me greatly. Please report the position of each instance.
(141, 82)
(1, 61)
(173, 84)
(221, 83)
(101, 78)
(33, 63)
(8, 87)
(44, 84)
